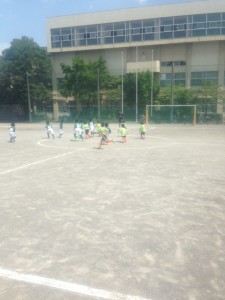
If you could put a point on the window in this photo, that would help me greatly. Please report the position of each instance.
(213, 17)
(136, 30)
(223, 27)
(113, 33)
(213, 24)
(179, 79)
(168, 79)
(214, 31)
(199, 18)
(167, 21)
(136, 24)
(175, 63)
(199, 25)
(91, 35)
(56, 38)
(106, 33)
(166, 28)
(149, 29)
(55, 31)
(199, 32)
(204, 78)
(140, 30)
(120, 36)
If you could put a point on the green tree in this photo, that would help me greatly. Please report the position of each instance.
(25, 58)
(130, 89)
(144, 89)
(207, 92)
(81, 81)
(181, 95)
(112, 89)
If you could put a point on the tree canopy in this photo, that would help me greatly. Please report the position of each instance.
(24, 59)
(144, 88)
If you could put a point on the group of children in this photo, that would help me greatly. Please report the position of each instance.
(83, 128)
(88, 129)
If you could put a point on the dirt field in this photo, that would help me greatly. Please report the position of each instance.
(141, 220)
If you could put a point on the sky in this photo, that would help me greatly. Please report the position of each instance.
(28, 17)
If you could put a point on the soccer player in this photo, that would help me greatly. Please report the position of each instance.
(12, 132)
(98, 128)
(78, 132)
(103, 133)
(142, 130)
(60, 129)
(92, 127)
(109, 131)
(50, 130)
(123, 132)
(86, 129)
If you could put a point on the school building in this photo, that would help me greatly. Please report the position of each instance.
(185, 41)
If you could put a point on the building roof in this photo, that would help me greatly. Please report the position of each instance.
(135, 13)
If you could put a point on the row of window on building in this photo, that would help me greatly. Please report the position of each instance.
(140, 30)
(197, 78)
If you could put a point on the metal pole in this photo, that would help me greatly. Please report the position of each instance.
(122, 82)
(28, 97)
(99, 113)
(136, 84)
(172, 83)
(194, 121)
(152, 82)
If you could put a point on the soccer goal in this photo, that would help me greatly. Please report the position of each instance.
(171, 114)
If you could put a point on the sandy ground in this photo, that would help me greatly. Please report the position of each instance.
(138, 220)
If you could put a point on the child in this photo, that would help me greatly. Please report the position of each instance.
(12, 132)
(60, 129)
(78, 132)
(108, 133)
(142, 130)
(49, 130)
(86, 130)
(92, 127)
(98, 128)
(103, 133)
(74, 128)
(123, 132)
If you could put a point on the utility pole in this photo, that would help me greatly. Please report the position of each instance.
(99, 113)
(172, 94)
(136, 84)
(28, 96)
(122, 82)
(152, 85)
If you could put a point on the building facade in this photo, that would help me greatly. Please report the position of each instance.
(185, 41)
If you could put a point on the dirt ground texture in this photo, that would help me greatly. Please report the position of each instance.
(142, 219)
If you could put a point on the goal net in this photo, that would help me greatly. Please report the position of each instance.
(171, 114)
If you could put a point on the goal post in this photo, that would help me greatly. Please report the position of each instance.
(170, 114)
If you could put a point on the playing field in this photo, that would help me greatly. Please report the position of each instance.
(134, 221)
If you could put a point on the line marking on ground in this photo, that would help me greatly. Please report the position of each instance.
(66, 286)
(38, 162)
(39, 143)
